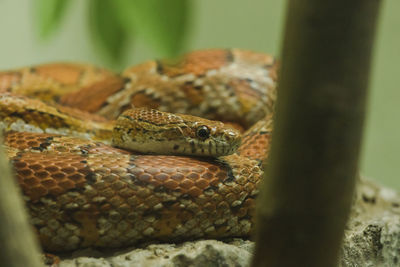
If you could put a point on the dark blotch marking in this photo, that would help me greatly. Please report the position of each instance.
(128, 117)
(231, 177)
(169, 203)
(229, 56)
(222, 225)
(247, 217)
(236, 208)
(176, 147)
(155, 214)
(139, 182)
(159, 68)
(16, 114)
(186, 196)
(265, 132)
(126, 80)
(105, 103)
(90, 178)
(193, 147)
(44, 145)
(209, 146)
(50, 139)
(211, 189)
(160, 189)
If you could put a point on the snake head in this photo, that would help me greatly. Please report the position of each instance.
(156, 132)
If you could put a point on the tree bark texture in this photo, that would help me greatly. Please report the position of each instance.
(309, 180)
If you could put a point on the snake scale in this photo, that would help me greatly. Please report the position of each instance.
(81, 192)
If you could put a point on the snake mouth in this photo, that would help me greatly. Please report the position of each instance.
(224, 150)
(203, 149)
(215, 148)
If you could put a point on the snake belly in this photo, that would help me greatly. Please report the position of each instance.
(81, 192)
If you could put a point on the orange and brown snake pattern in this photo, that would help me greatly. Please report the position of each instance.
(82, 192)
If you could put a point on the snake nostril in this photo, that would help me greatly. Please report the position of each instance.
(231, 136)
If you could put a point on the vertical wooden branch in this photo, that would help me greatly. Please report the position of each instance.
(19, 247)
(307, 190)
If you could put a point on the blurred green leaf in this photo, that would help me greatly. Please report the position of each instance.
(49, 14)
(162, 23)
(106, 29)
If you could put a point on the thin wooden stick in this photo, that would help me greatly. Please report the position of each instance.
(19, 245)
(309, 181)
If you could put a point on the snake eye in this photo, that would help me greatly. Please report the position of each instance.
(203, 132)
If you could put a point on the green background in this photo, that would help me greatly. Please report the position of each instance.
(255, 25)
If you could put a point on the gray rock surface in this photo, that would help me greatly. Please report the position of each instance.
(373, 234)
(372, 239)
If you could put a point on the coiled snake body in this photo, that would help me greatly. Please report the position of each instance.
(82, 192)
